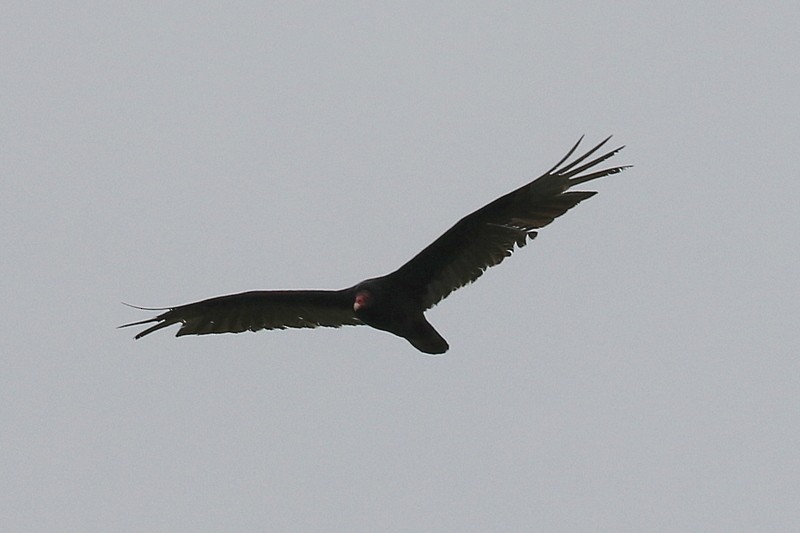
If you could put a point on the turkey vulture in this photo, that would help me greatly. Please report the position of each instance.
(397, 302)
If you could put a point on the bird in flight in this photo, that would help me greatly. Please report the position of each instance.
(397, 302)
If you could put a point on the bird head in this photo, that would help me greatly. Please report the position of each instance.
(362, 300)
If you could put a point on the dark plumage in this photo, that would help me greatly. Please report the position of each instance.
(396, 302)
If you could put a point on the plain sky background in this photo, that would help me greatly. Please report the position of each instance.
(635, 368)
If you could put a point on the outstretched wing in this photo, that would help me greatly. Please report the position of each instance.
(256, 310)
(487, 236)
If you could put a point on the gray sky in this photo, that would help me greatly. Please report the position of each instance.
(634, 369)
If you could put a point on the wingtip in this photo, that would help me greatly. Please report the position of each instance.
(161, 323)
(137, 323)
(146, 308)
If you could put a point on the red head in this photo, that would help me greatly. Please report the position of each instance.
(362, 301)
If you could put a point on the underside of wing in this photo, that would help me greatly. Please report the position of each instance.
(486, 237)
(256, 310)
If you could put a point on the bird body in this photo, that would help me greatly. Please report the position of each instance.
(396, 302)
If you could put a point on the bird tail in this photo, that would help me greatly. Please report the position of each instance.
(426, 339)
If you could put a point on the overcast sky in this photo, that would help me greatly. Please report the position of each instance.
(635, 368)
